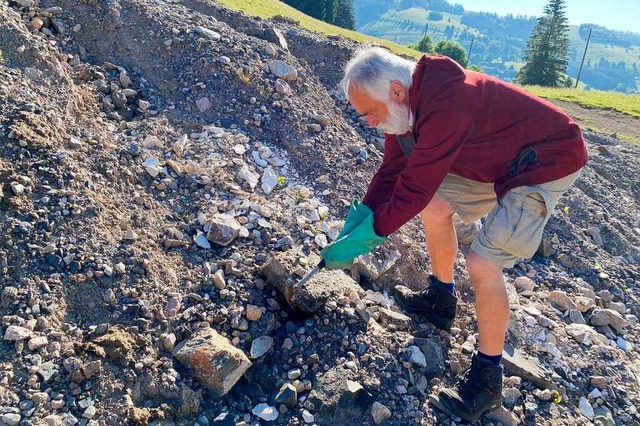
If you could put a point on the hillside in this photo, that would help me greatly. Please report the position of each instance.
(169, 169)
(611, 62)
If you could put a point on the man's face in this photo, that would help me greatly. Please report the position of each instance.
(391, 117)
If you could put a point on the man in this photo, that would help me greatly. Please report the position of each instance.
(458, 141)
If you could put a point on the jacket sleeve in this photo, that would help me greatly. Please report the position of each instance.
(383, 182)
(443, 126)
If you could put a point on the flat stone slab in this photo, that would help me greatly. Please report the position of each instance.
(516, 364)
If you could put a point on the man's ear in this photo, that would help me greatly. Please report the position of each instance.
(397, 92)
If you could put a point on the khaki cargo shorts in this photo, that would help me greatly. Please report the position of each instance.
(514, 224)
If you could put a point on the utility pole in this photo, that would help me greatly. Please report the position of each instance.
(583, 56)
(469, 53)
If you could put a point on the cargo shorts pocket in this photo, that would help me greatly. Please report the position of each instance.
(517, 223)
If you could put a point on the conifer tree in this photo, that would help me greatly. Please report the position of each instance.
(546, 57)
(345, 17)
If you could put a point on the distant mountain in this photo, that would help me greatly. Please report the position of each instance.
(497, 43)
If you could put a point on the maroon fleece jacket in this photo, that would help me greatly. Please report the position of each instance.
(475, 126)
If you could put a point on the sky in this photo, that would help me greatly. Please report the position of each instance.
(623, 15)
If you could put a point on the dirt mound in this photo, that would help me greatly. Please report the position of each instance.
(156, 154)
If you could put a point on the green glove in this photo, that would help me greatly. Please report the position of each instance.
(363, 239)
(357, 213)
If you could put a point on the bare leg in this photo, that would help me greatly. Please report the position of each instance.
(492, 303)
(442, 243)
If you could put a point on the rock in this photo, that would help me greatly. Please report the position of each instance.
(599, 382)
(616, 320)
(11, 419)
(583, 333)
(337, 400)
(584, 303)
(218, 279)
(223, 229)
(282, 87)
(399, 320)
(248, 176)
(124, 79)
(261, 346)
(561, 300)
(466, 232)
(203, 104)
(596, 235)
(287, 395)
(516, 364)
(119, 100)
(417, 357)
(585, 408)
(599, 318)
(265, 412)
(269, 180)
(274, 35)
(215, 362)
(434, 356)
(307, 416)
(168, 341)
(321, 287)
(201, 241)
(524, 284)
(504, 417)
(283, 70)
(254, 313)
(576, 317)
(15, 333)
(380, 412)
(207, 33)
(37, 343)
(17, 188)
(321, 119)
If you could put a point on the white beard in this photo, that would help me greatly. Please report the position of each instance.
(398, 121)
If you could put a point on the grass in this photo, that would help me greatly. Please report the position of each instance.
(619, 102)
(269, 8)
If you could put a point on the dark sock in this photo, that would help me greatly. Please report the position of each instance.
(450, 287)
(495, 359)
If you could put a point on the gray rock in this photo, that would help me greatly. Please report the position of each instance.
(282, 87)
(287, 395)
(15, 333)
(274, 35)
(516, 364)
(576, 317)
(466, 232)
(265, 412)
(599, 318)
(215, 362)
(380, 412)
(434, 356)
(338, 400)
(261, 346)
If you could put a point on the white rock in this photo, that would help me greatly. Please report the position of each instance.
(218, 279)
(261, 346)
(623, 344)
(585, 408)
(265, 412)
(307, 417)
(417, 357)
(15, 333)
(37, 343)
(294, 374)
(239, 149)
(203, 104)
(207, 33)
(248, 176)
(321, 240)
(201, 241)
(269, 180)
(283, 70)
(151, 161)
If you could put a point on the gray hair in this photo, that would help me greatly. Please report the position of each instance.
(373, 69)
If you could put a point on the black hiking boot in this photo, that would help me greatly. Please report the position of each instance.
(435, 303)
(479, 390)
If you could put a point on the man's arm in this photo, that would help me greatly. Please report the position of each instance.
(383, 182)
(442, 131)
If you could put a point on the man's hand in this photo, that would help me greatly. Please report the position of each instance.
(357, 213)
(362, 239)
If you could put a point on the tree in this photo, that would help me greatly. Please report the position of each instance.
(345, 17)
(423, 45)
(453, 50)
(546, 57)
(331, 11)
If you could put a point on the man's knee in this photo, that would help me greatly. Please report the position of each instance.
(436, 211)
(482, 270)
